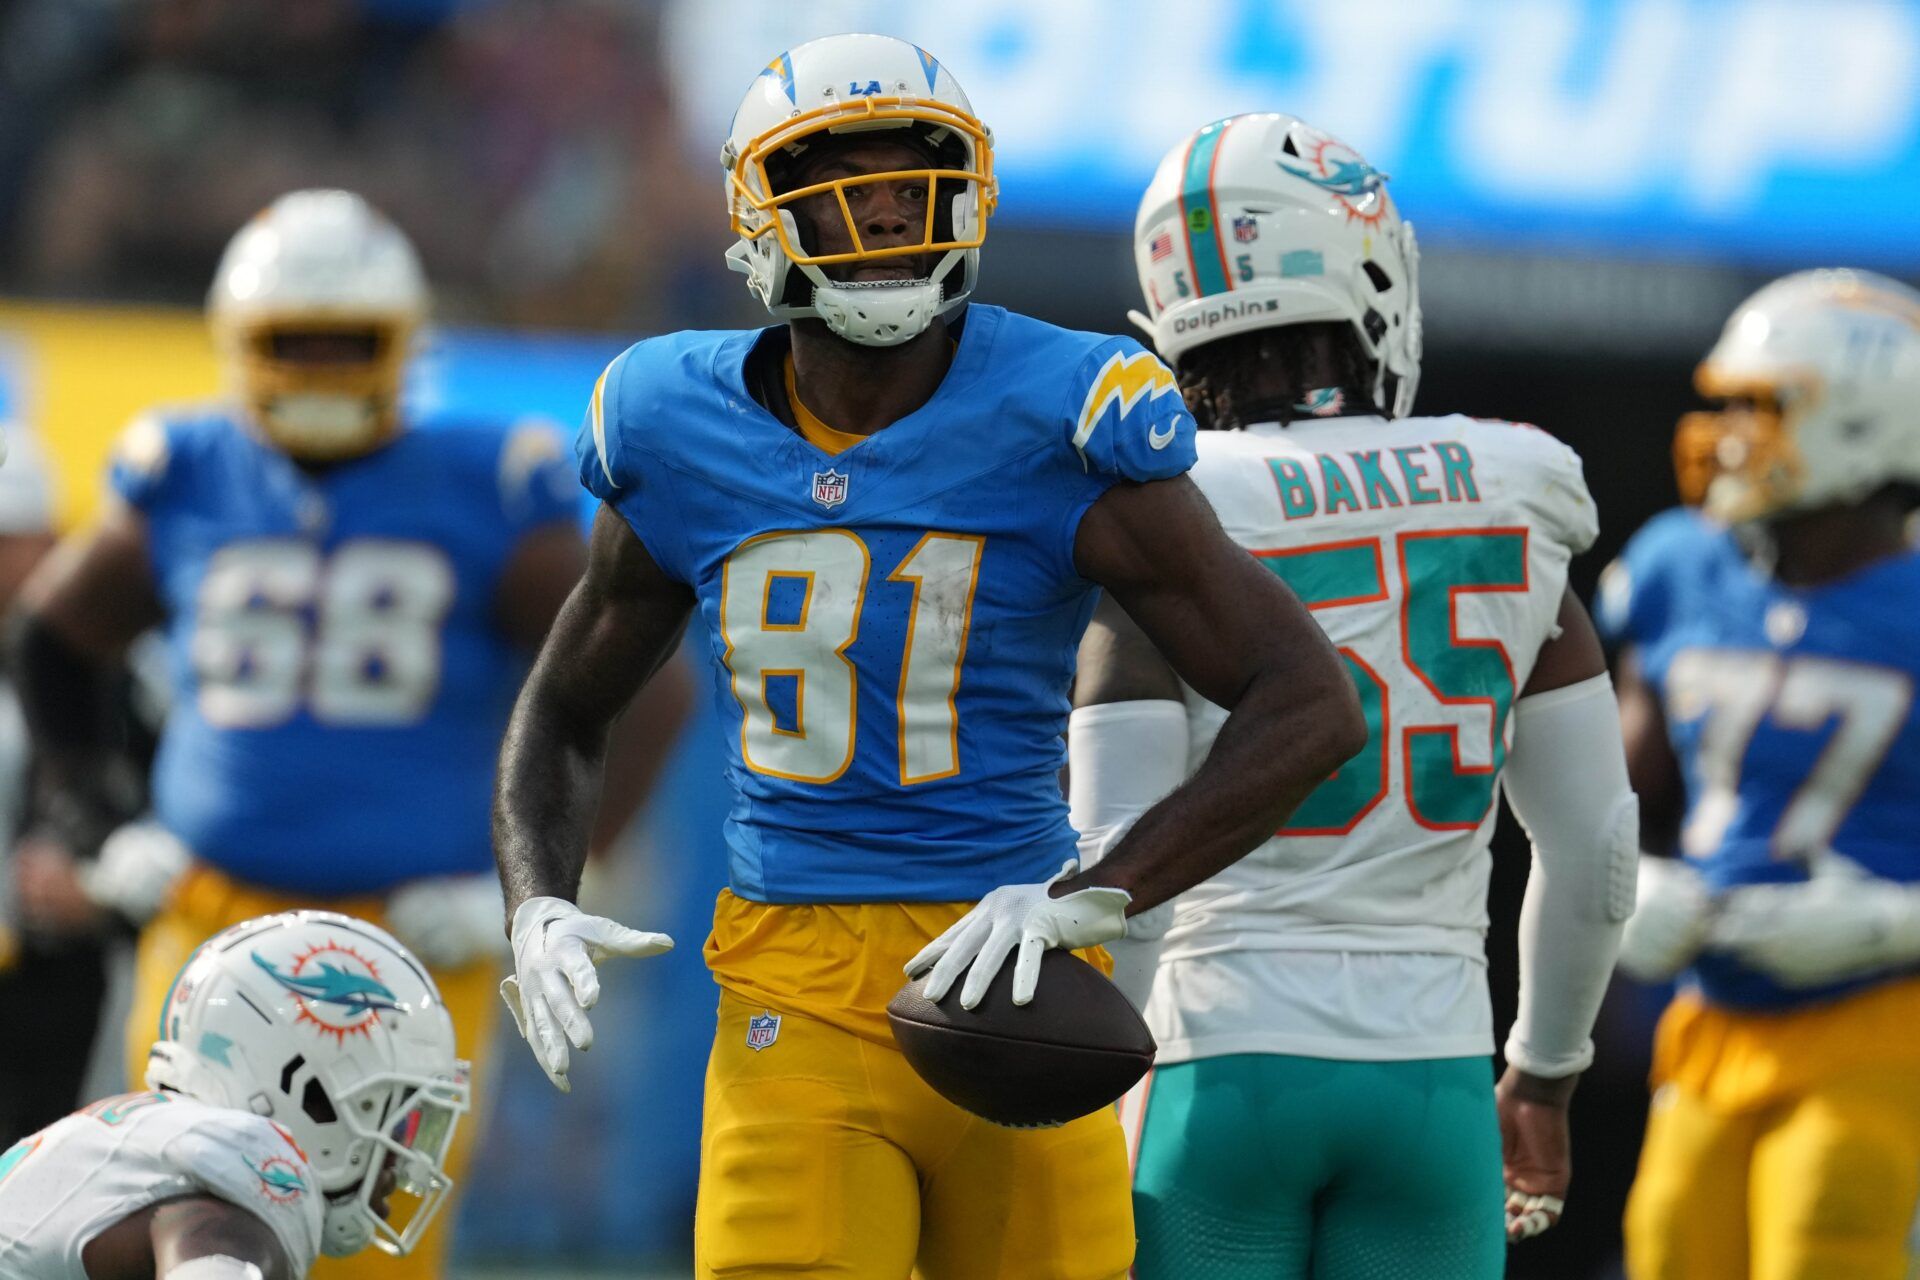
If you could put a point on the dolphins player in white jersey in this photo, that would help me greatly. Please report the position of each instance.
(300, 1101)
(1323, 1099)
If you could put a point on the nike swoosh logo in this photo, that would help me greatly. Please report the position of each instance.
(1160, 439)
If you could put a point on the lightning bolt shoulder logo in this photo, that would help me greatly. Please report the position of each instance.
(1123, 381)
(336, 990)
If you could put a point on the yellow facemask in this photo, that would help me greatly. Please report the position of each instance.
(1740, 462)
(755, 209)
(319, 410)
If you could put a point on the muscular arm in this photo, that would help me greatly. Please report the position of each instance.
(1119, 664)
(535, 582)
(1652, 766)
(619, 624)
(206, 1227)
(1571, 656)
(533, 587)
(87, 601)
(1236, 634)
(161, 1237)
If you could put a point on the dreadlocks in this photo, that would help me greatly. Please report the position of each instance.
(1263, 375)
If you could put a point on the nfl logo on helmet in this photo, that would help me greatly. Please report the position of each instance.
(1245, 229)
(829, 488)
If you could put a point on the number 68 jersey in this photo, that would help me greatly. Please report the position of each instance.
(893, 626)
(340, 678)
(1791, 712)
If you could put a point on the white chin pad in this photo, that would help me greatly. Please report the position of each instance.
(321, 420)
(878, 314)
(217, 1267)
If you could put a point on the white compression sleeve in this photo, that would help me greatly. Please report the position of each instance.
(219, 1267)
(1122, 758)
(1566, 779)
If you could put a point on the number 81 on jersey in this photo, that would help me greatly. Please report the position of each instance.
(790, 608)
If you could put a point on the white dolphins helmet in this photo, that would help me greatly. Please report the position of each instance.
(855, 84)
(1823, 368)
(330, 1028)
(1262, 220)
(319, 262)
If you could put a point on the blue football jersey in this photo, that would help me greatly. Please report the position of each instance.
(340, 682)
(1791, 711)
(894, 627)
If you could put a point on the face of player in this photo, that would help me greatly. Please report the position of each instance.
(383, 1188)
(886, 213)
(323, 346)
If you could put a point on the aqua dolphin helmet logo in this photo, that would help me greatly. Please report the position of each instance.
(1348, 177)
(1340, 171)
(336, 988)
(280, 1180)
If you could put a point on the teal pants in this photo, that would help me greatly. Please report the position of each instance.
(1268, 1167)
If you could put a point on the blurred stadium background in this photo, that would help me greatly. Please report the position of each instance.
(1595, 182)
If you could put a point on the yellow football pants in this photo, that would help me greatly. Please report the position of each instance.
(207, 902)
(1781, 1147)
(824, 1155)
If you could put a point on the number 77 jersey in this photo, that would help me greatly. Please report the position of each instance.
(893, 626)
(1434, 552)
(1790, 711)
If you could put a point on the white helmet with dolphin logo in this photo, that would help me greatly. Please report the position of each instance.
(1260, 221)
(331, 1028)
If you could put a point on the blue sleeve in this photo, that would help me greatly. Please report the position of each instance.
(1634, 605)
(1125, 416)
(613, 467)
(536, 480)
(144, 469)
(597, 447)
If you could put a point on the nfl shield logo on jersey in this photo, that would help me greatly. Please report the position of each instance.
(764, 1028)
(829, 488)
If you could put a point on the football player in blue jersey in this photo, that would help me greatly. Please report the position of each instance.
(1769, 669)
(893, 517)
(349, 600)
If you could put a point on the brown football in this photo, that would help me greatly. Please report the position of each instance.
(1078, 1046)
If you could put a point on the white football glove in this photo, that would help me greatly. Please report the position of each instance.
(555, 946)
(1671, 912)
(450, 922)
(136, 870)
(1023, 916)
(1839, 923)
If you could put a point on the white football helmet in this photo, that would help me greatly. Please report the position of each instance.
(1823, 369)
(854, 84)
(1262, 220)
(319, 262)
(330, 1028)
